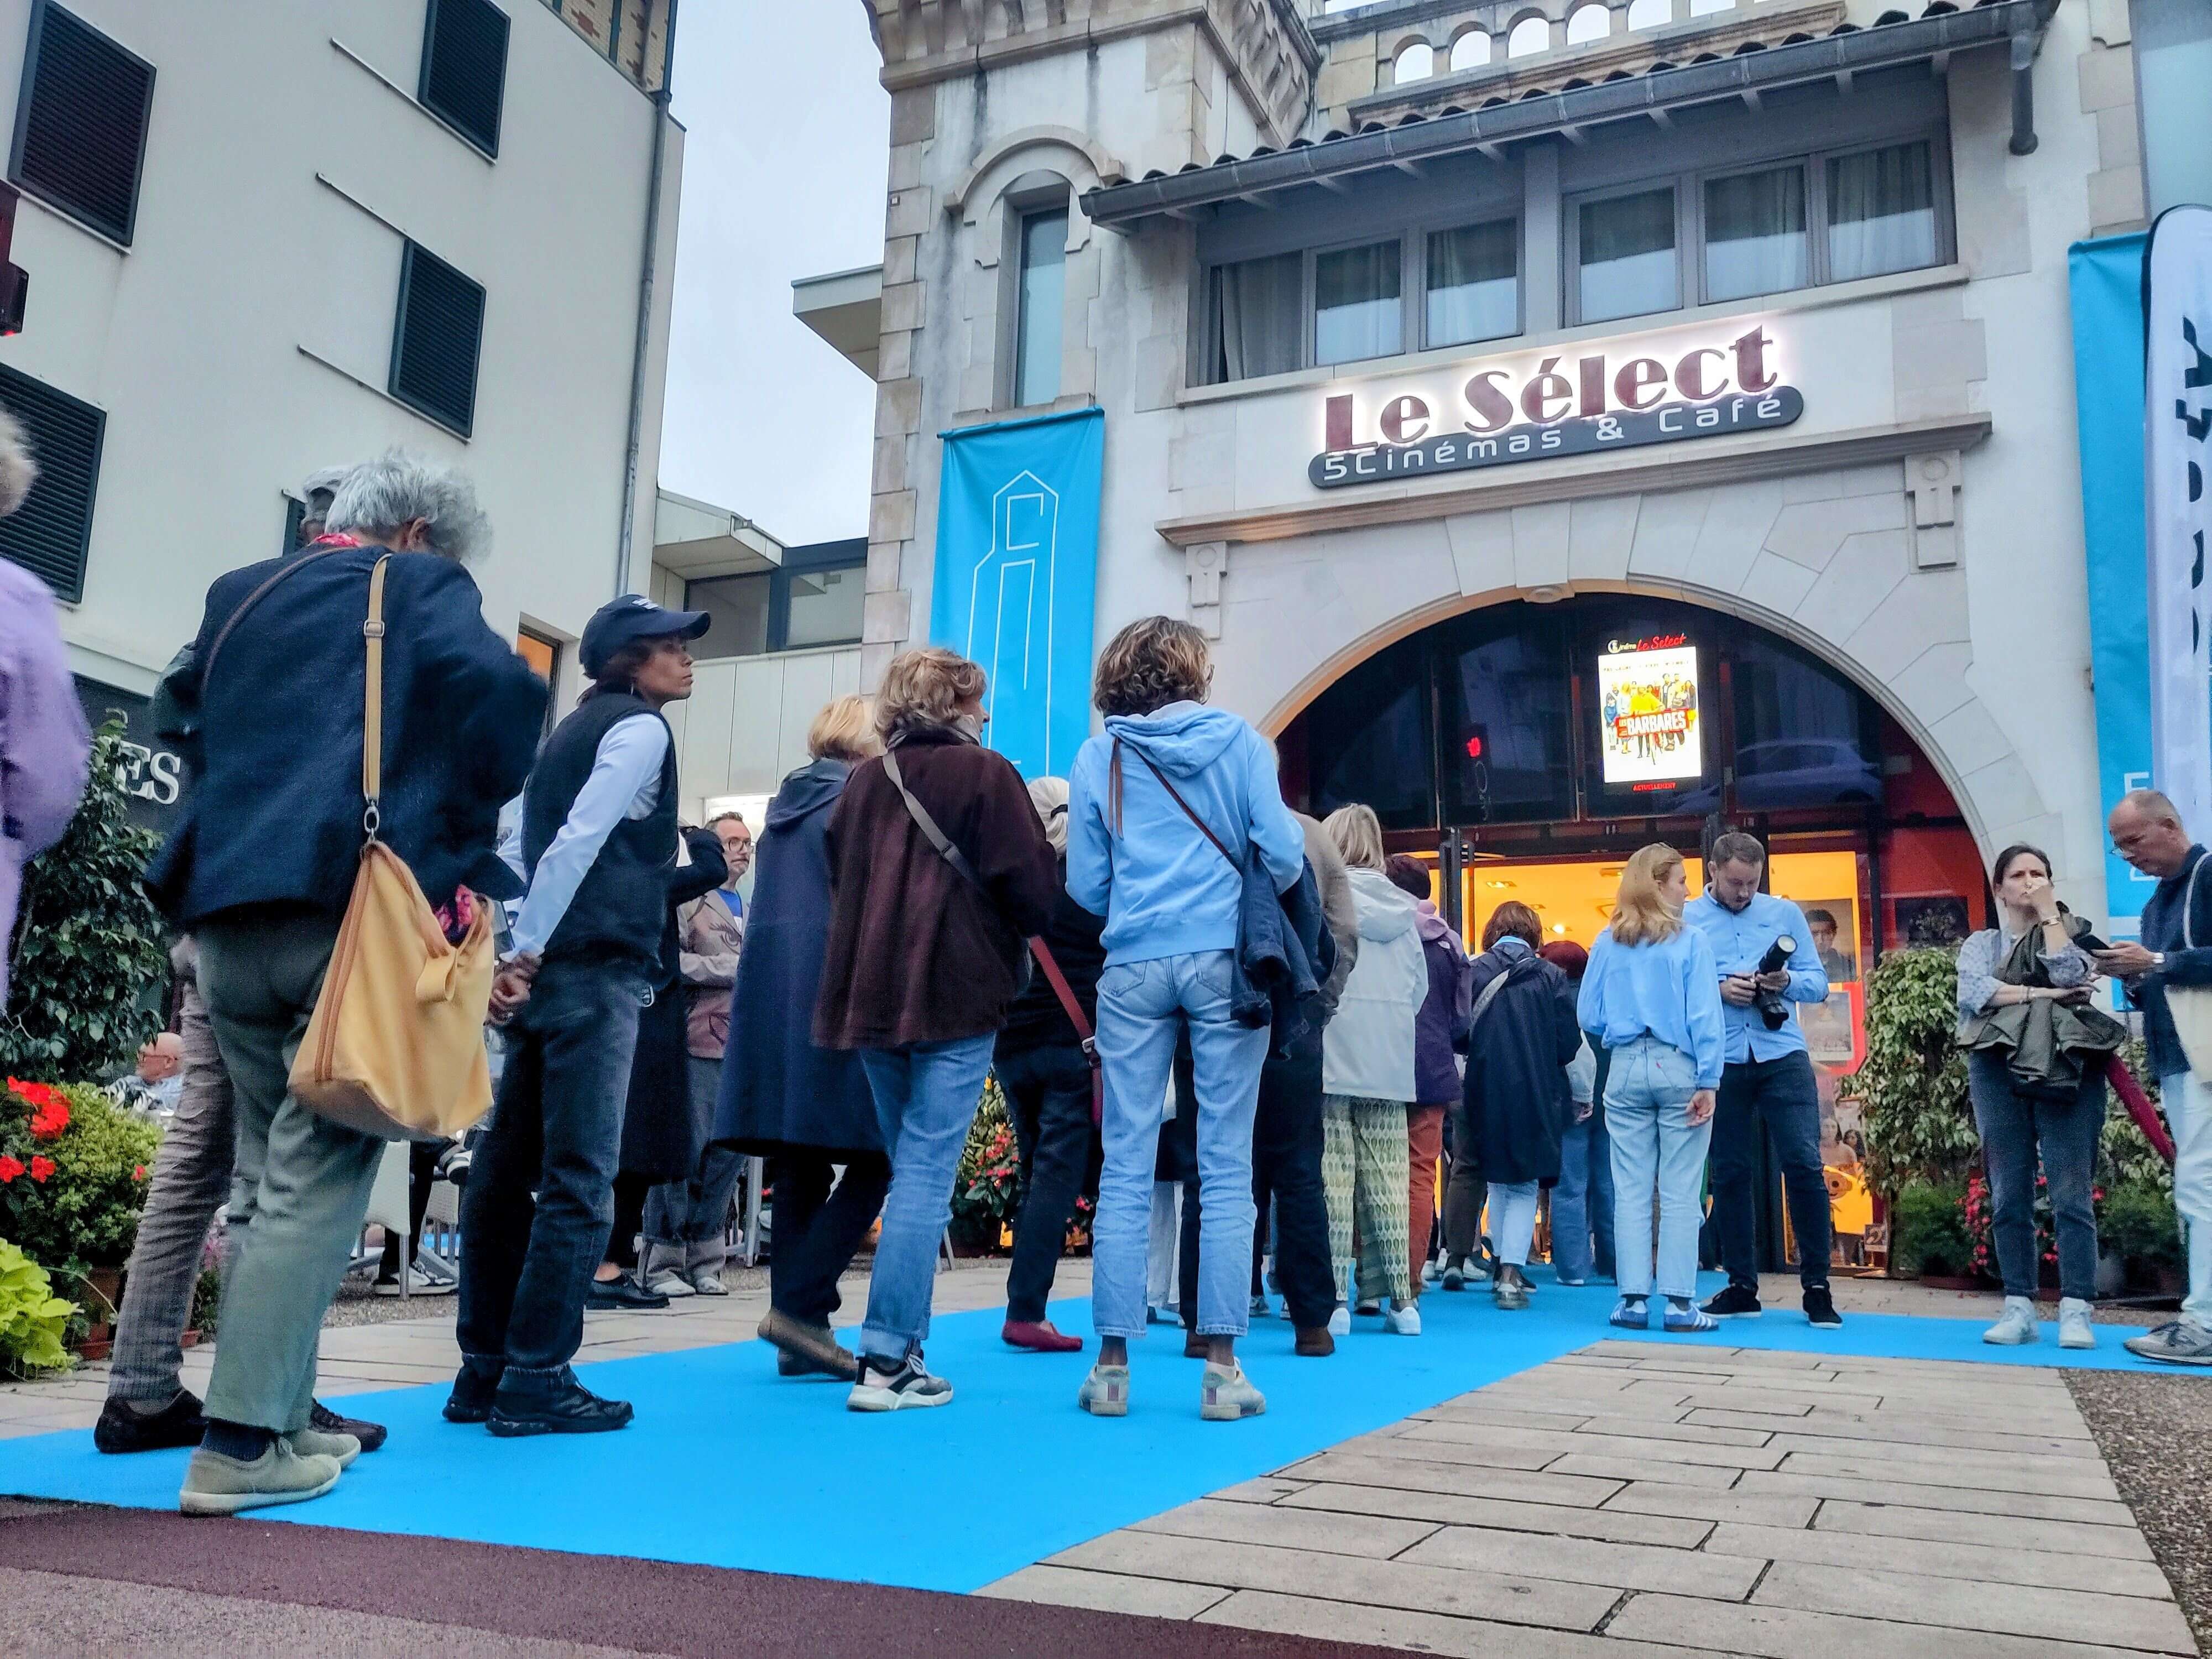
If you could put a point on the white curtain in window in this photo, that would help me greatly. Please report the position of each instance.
(1260, 304)
(1881, 212)
(1755, 233)
(1357, 311)
(1627, 255)
(1474, 290)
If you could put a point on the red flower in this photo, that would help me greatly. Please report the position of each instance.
(50, 1120)
(40, 1095)
(137, 1172)
(41, 1167)
(9, 1168)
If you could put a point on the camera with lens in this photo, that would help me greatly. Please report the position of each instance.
(1772, 1007)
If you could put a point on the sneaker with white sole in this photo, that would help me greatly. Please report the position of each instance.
(218, 1485)
(2074, 1330)
(1402, 1319)
(1340, 1323)
(1431, 1272)
(1454, 1277)
(2184, 1342)
(1105, 1392)
(1632, 1313)
(1684, 1315)
(418, 1284)
(311, 1442)
(898, 1386)
(2015, 1328)
(1227, 1394)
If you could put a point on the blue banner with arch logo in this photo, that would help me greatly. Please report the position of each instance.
(1017, 576)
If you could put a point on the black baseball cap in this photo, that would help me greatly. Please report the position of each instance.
(634, 616)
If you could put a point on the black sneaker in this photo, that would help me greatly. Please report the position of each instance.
(906, 1385)
(622, 1293)
(324, 1420)
(560, 1405)
(180, 1423)
(470, 1400)
(1734, 1302)
(1820, 1309)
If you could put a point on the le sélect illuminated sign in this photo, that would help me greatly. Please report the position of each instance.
(1592, 405)
(1648, 730)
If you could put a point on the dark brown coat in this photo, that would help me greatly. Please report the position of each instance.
(915, 954)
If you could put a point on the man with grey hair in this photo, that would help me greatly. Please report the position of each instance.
(2175, 950)
(260, 871)
(315, 497)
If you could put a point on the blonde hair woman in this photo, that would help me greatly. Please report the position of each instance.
(938, 872)
(1368, 1084)
(1653, 998)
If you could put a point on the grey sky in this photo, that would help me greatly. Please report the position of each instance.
(783, 178)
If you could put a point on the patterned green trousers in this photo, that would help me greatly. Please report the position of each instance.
(1363, 1167)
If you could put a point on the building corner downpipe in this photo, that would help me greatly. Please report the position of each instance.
(642, 346)
(2027, 41)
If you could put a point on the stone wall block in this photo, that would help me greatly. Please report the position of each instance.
(889, 470)
(903, 306)
(910, 212)
(1541, 544)
(978, 387)
(891, 517)
(1482, 551)
(2119, 135)
(2108, 79)
(1601, 534)
(899, 259)
(1811, 533)
(1776, 584)
(1734, 530)
(1866, 570)
(1917, 642)
(894, 355)
(1667, 528)
(898, 407)
(874, 659)
(2004, 794)
(1158, 371)
(885, 617)
(2116, 200)
(1970, 737)
(913, 115)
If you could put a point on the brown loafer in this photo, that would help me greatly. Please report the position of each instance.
(815, 1344)
(1315, 1342)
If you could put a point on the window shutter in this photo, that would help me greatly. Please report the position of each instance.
(295, 515)
(80, 121)
(436, 343)
(48, 536)
(463, 79)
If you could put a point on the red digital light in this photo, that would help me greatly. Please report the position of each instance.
(1474, 747)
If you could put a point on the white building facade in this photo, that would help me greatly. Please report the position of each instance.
(286, 234)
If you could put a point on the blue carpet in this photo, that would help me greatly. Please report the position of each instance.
(728, 1465)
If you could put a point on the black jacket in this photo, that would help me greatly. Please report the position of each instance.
(1517, 1099)
(276, 815)
(658, 1139)
(1037, 1020)
(778, 1091)
(2162, 931)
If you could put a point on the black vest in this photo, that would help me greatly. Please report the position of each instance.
(622, 906)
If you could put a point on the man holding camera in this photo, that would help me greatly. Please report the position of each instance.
(1767, 961)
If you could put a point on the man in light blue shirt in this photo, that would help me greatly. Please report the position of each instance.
(1769, 1078)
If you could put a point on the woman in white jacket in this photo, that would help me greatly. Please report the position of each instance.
(1367, 1074)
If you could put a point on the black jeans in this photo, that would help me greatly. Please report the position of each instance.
(2013, 1126)
(1049, 1097)
(1286, 1149)
(817, 1231)
(1780, 1093)
(526, 1262)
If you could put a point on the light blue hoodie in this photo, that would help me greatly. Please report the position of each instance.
(1164, 888)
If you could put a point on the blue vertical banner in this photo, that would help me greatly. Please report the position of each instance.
(1017, 576)
(2106, 281)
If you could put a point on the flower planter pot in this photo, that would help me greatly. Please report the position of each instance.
(99, 1293)
(189, 1339)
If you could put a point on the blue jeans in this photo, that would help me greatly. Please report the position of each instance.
(2015, 1127)
(926, 1097)
(1781, 1093)
(1647, 1100)
(1581, 1204)
(1143, 1007)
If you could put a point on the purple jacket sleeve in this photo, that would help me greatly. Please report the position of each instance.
(44, 741)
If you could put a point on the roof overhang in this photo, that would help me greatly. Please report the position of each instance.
(694, 537)
(845, 309)
(1570, 113)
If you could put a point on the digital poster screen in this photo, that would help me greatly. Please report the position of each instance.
(1648, 730)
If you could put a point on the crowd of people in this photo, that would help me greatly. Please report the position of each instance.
(1252, 1036)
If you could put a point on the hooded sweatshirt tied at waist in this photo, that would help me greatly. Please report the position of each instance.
(1367, 1051)
(1172, 891)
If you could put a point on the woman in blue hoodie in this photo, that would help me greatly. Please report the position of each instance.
(1164, 806)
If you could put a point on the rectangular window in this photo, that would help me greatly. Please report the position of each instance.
(1881, 211)
(1258, 308)
(464, 78)
(50, 533)
(1473, 284)
(1755, 234)
(1625, 250)
(80, 117)
(824, 607)
(437, 340)
(737, 608)
(1359, 308)
(544, 656)
(1044, 299)
(816, 599)
(2173, 67)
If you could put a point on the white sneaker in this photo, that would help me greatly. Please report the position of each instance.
(1431, 1273)
(1340, 1323)
(2074, 1331)
(1226, 1395)
(418, 1284)
(1402, 1319)
(2017, 1328)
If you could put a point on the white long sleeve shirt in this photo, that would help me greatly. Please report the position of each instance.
(625, 783)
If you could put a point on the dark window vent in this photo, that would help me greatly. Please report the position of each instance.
(295, 515)
(80, 121)
(465, 67)
(436, 340)
(49, 534)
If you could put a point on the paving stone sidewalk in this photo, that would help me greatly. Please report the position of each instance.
(1646, 1499)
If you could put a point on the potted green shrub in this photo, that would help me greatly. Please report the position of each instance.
(2137, 1224)
(74, 1169)
(1929, 1238)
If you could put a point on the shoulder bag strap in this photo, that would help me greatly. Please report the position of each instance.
(2189, 904)
(1489, 995)
(337, 545)
(1204, 828)
(372, 718)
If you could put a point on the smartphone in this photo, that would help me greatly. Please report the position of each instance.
(2091, 943)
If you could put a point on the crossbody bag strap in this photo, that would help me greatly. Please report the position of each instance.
(935, 836)
(1489, 995)
(2189, 904)
(223, 634)
(1204, 828)
(371, 717)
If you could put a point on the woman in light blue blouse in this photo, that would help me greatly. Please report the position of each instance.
(1652, 995)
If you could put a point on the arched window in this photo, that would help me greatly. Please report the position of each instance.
(1530, 35)
(1416, 62)
(1587, 23)
(1650, 13)
(1703, 8)
(1471, 50)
